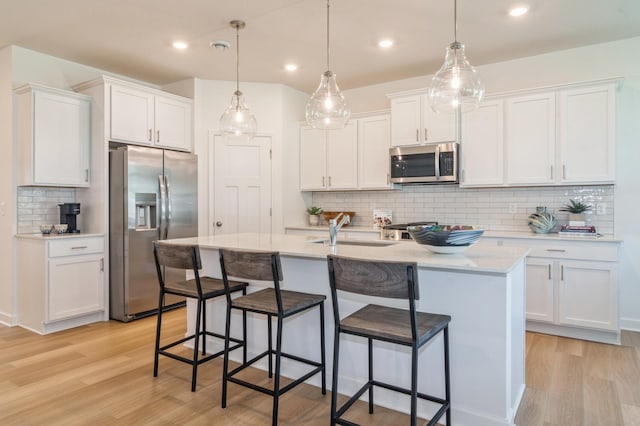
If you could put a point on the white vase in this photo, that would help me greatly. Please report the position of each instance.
(314, 219)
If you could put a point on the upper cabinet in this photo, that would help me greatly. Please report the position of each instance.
(558, 137)
(413, 122)
(149, 117)
(53, 131)
(356, 157)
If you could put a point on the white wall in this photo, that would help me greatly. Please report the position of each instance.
(606, 60)
(7, 190)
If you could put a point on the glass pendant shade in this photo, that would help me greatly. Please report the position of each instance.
(327, 108)
(456, 85)
(237, 119)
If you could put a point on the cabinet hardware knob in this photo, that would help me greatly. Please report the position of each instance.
(149, 137)
(322, 180)
(557, 250)
(157, 135)
(425, 135)
(86, 175)
(78, 247)
(417, 135)
(549, 267)
(218, 224)
(561, 272)
(329, 180)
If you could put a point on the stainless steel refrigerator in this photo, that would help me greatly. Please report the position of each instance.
(152, 196)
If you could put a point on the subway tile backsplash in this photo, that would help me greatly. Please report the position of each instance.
(39, 205)
(487, 208)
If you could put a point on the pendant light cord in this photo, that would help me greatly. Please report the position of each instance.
(455, 21)
(328, 44)
(237, 58)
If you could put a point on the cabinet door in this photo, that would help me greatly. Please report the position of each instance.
(373, 152)
(172, 123)
(312, 159)
(587, 134)
(405, 120)
(530, 139)
(437, 127)
(75, 286)
(60, 140)
(131, 115)
(587, 295)
(540, 294)
(342, 157)
(481, 147)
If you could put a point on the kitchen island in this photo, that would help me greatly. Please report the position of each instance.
(483, 289)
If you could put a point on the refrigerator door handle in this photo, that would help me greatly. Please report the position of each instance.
(163, 213)
(169, 203)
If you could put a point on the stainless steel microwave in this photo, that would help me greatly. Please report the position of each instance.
(431, 163)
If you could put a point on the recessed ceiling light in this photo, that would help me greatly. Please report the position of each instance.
(180, 45)
(518, 11)
(291, 67)
(386, 43)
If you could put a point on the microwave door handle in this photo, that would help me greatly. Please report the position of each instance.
(437, 161)
(162, 206)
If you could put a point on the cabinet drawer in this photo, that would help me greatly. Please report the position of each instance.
(76, 246)
(581, 250)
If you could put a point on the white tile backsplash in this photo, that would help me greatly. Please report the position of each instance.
(39, 205)
(487, 208)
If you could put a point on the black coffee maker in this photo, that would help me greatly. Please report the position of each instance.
(68, 215)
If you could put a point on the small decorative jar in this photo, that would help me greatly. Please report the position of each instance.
(541, 222)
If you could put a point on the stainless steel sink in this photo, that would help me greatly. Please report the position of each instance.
(372, 243)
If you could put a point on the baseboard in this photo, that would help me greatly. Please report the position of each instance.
(8, 319)
(631, 324)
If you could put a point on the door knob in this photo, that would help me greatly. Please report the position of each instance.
(218, 224)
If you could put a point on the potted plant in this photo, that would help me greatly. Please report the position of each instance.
(314, 215)
(576, 211)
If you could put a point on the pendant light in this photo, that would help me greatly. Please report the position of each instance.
(456, 86)
(237, 120)
(327, 108)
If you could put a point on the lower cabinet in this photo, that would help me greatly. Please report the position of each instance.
(572, 287)
(60, 282)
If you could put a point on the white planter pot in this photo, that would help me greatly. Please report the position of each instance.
(314, 219)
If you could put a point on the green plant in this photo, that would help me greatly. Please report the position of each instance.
(314, 210)
(575, 207)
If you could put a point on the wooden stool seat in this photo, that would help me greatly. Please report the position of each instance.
(391, 324)
(211, 287)
(264, 301)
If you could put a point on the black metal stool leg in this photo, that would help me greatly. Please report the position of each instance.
(158, 325)
(414, 384)
(323, 360)
(447, 390)
(244, 331)
(225, 362)
(270, 346)
(204, 327)
(194, 374)
(334, 378)
(370, 376)
(276, 386)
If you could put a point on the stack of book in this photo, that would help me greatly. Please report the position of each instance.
(578, 231)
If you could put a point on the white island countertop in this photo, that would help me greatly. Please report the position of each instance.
(480, 259)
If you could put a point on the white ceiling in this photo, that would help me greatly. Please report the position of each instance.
(133, 37)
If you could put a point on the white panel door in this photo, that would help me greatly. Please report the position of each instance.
(587, 295)
(373, 152)
(172, 123)
(313, 156)
(587, 134)
(405, 121)
(131, 115)
(342, 157)
(75, 286)
(540, 290)
(242, 185)
(436, 127)
(530, 134)
(481, 147)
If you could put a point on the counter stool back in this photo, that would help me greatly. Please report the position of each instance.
(273, 302)
(187, 257)
(397, 280)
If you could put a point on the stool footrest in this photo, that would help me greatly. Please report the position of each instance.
(163, 350)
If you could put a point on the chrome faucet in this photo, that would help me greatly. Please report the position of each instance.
(334, 227)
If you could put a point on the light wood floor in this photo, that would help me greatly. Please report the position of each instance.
(102, 375)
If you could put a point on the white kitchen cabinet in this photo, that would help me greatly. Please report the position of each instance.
(373, 152)
(53, 132)
(586, 134)
(572, 287)
(413, 122)
(147, 117)
(530, 139)
(481, 146)
(60, 281)
(329, 158)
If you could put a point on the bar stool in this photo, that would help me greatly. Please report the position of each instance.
(187, 257)
(273, 302)
(396, 280)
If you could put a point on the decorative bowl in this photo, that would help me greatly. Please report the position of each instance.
(541, 223)
(445, 238)
(331, 215)
(60, 228)
(46, 229)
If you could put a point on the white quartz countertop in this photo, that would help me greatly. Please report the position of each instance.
(477, 258)
(53, 236)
